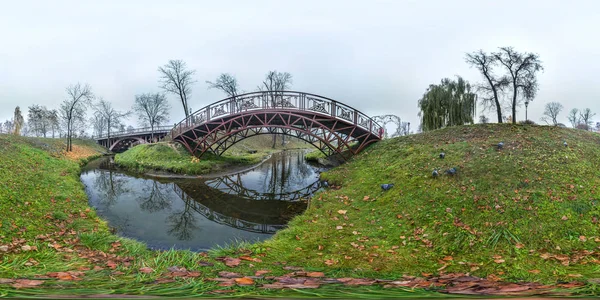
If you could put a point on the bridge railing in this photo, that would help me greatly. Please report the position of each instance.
(289, 100)
(136, 131)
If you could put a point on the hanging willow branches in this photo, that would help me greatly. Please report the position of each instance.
(450, 103)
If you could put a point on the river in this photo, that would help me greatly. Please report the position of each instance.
(201, 213)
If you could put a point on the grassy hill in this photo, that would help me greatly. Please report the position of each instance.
(529, 211)
(526, 213)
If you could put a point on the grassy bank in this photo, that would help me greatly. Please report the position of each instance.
(314, 156)
(526, 213)
(174, 158)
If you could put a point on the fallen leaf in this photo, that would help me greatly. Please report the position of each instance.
(176, 269)
(146, 270)
(26, 283)
(575, 275)
(330, 262)
(365, 198)
(163, 280)
(342, 212)
(499, 261)
(232, 262)
(6, 281)
(534, 271)
(248, 258)
(320, 247)
(448, 258)
(205, 264)
(261, 272)
(339, 227)
(519, 246)
(226, 274)
(315, 274)
(244, 281)
(564, 218)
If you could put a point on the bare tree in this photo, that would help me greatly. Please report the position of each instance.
(53, 121)
(494, 85)
(551, 112)
(522, 70)
(574, 117)
(176, 79)
(275, 83)
(39, 120)
(585, 117)
(111, 116)
(8, 126)
(73, 108)
(152, 109)
(226, 83)
(98, 124)
(18, 121)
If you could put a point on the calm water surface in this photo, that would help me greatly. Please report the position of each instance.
(198, 214)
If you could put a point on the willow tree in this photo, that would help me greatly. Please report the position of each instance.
(449, 103)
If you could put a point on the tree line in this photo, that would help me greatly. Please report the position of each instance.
(509, 81)
(152, 109)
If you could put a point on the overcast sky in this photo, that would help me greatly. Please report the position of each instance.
(377, 56)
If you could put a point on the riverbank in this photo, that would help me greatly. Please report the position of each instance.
(509, 221)
(171, 159)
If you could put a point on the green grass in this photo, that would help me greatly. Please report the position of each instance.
(314, 156)
(174, 158)
(163, 157)
(501, 215)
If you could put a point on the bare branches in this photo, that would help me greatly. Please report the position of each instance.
(493, 86)
(72, 109)
(522, 70)
(551, 113)
(574, 117)
(111, 116)
(226, 83)
(585, 118)
(152, 109)
(176, 79)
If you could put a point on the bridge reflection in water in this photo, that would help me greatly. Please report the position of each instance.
(191, 214)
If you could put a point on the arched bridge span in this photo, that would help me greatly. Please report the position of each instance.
(330, 126)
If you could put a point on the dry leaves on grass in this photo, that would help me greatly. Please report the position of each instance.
(26, 283)
(66, 276)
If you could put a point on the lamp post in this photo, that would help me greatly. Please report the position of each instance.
(526, 105)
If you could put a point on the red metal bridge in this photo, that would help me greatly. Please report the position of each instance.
(330, 126)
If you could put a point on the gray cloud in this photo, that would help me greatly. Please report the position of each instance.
(378, 56)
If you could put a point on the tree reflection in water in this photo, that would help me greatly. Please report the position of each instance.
(252, 204)
(183, 223)
(157, 199)
(111, 185)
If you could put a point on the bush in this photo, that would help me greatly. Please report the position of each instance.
(527, 122)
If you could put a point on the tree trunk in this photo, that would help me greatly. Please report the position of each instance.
(514, 102)
(274, 140)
